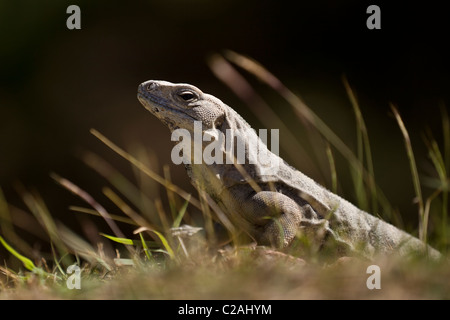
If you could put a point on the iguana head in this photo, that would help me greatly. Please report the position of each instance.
(179, 105)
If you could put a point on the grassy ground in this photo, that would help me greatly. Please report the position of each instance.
(153, 263)
(245, 275)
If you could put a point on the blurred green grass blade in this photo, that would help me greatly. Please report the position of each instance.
(360, 191)
(180, 215)
(357, 173)
(133, 215)
(414, 172)
(27, 263)
(332, 164)
(90, 200)
(144, 169)
(82, 248)
(136, 217)
(364, 149)
(40, 211)
(427, 213)
(7, 227)
(118, 180)
(165, 243)
(439, 163)
(144, 245)
(95, 213)
(118, 240)
(170, 194)
(55, 259)
(161, 237)
(130, 242)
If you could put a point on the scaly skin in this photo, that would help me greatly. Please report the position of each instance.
(274, 206)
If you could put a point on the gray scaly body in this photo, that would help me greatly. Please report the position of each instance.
(274, 206)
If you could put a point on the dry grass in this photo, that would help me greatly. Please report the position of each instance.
(248, 275)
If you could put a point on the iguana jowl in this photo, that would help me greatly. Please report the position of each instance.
(248, 195)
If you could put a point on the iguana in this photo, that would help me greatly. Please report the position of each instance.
(275, 204)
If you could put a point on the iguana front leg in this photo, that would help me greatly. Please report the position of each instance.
(275, 218)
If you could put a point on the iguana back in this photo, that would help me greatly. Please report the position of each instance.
(273, 202)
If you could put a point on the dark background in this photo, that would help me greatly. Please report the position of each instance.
(56, 84)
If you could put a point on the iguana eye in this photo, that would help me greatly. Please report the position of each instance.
(187, 96)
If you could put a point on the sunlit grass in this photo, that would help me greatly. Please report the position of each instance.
(158, 260)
